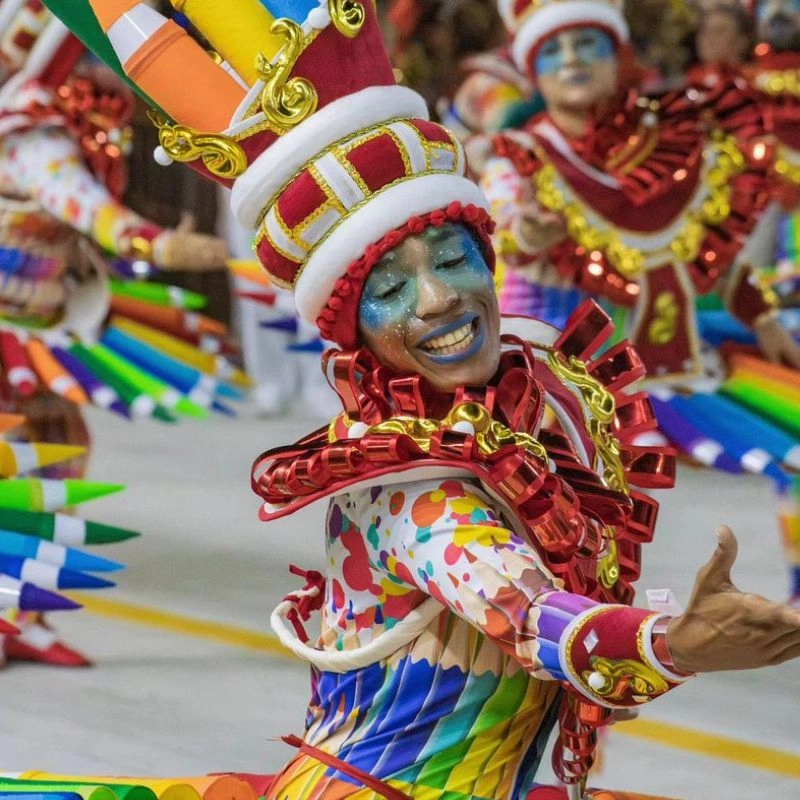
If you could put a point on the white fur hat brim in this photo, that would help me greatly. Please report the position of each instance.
(543, 23)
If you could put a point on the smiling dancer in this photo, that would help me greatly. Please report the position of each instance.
(480, 562)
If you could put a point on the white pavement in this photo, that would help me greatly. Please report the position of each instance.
(161, 702)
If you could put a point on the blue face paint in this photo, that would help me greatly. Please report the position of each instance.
(584, 46)
(452, 259)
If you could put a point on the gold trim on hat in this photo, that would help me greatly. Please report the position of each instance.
(221, 155)
(286, 101)
(348, 16)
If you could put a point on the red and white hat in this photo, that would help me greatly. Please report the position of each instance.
(329, 160)
(532, 21)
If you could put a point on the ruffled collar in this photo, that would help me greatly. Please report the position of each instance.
(566, 486)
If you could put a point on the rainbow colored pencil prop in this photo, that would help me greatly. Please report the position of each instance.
(138, 402)
(101, 394)
(757, 367)
(85, 790)
(176, 321)
(782, 411)
(217, 366)
(159, 294)
(737, 445)
(22, 546)
(48, 576)
(28, 597)
(164, 395)
(192, 383)
(78, 16)
(168, 65)
(249, 271)
(53, 374)
(212, 787)
(238, 36)
(62, 529)
(17, 367)
(43, 494)
(39, 796)
(779, 444)
(20, 457)
(691, 439)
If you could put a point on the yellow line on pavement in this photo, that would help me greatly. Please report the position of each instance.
(661, 733)
(178, 623)
(712, 745)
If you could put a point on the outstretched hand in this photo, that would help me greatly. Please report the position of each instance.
(725, 629)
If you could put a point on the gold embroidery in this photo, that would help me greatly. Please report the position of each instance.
(286, 101)
(602, 409)
(608, 565)
(662, 329)
(617, 681)
(630, 261)
(490, 435)
(221, 155)
(348, 16)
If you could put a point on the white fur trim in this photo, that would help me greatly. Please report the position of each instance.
(540, 24)
(384, 212)
(287, 156)
(381, 647)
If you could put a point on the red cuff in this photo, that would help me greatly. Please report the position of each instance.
(608, 655)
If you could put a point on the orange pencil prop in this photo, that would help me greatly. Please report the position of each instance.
(52, 374)
(168, 65)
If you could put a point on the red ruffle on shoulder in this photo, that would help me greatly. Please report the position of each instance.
(562, 504)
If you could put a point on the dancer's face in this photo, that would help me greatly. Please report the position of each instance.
(429, 307)
(779, 23)
(577, 69)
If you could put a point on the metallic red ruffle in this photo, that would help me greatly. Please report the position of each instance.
(562, 504)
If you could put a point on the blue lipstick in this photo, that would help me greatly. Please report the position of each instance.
(475, 345)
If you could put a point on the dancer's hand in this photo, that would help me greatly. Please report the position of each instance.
(776, 343)
(724, 629)
(183, 248)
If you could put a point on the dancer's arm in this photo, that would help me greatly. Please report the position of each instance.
(47, 165)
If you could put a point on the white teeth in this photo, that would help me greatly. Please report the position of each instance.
(451, 342)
